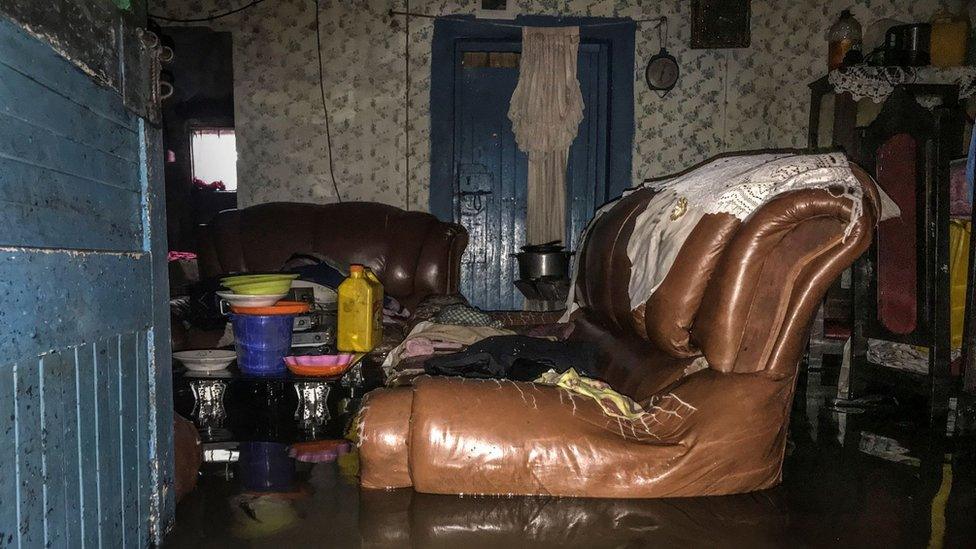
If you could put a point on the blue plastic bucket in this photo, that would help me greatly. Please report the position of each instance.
(266, 467)
(262, 342)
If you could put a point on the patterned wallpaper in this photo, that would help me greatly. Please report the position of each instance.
(725, 99)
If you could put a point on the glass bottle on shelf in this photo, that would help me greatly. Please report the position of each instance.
(843, 37)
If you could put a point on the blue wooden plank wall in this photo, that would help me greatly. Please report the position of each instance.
(82, 443)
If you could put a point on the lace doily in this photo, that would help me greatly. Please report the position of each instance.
(736, 185)
(877, 83)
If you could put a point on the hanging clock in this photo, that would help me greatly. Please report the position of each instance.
(662, 69)
(662, 72)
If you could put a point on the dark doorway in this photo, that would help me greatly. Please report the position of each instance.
(203, 98)
(478, 174)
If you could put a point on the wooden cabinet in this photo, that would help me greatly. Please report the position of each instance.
(900, 287)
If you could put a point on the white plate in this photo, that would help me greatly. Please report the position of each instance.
(241, 300)
(207, 360)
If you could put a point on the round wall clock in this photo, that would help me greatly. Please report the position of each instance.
(662, 72)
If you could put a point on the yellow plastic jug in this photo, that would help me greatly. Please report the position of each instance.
(360, 312)
(959, 234)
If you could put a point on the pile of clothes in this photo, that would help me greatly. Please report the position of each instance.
(450, 337)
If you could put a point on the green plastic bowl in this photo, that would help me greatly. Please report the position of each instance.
(242, 279)
(260, 287)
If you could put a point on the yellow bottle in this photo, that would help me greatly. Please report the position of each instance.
(948, 39)
(360, 312)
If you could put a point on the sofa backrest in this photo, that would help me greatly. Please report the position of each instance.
(413, 253)
(741, 294)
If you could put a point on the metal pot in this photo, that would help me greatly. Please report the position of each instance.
(534, 265)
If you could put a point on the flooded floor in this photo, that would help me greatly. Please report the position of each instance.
(871, 479)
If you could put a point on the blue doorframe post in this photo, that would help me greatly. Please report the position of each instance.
(617, 33)
(160, 375)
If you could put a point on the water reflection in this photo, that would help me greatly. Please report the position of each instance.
(400, 519)
(831, 496)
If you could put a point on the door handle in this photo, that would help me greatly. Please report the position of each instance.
(472, 202)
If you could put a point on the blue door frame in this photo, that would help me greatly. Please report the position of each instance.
(85, 381)
(616, 33)
(478, 174)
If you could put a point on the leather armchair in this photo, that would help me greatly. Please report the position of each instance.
(412, 253)
(741, 294)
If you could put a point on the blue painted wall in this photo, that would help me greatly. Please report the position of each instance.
(85, 453)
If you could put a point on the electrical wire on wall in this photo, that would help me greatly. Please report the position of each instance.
(318, 52)
(406, 114)
(208, 17)
(325, 106)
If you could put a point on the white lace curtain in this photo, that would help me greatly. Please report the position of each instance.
(546, 111)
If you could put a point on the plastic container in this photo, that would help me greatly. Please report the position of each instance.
(959, 234)
(843, 36)
(266, 467)
(947, 44)
(279, 308)
(262, 342)
(360, 311)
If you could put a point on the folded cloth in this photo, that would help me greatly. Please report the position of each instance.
(432, 305)
(443, 333)
(515, 357)
(316, 268)
(422, 346)
(613, 403)
(461, 314)
(659, 417)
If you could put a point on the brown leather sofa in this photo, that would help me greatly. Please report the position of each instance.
(413, 253)
(741, 294)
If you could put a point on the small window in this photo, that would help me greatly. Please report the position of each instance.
(214, 156)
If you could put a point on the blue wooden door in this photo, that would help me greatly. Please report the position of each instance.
(490, 196)
(85, 458)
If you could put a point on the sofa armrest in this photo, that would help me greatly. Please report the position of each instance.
(382, 431)
(439, 264)
(762, 297)
(503, 437)
(526, 318)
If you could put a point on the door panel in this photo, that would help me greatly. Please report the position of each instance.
(84, 451)
(491, 180)
(586, 173)
(490, 191)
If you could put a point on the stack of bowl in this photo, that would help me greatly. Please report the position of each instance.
(257, 290)
(262, 322)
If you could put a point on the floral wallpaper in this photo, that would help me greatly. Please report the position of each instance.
(725, 100)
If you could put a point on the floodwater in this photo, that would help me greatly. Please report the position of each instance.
(875, 479)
